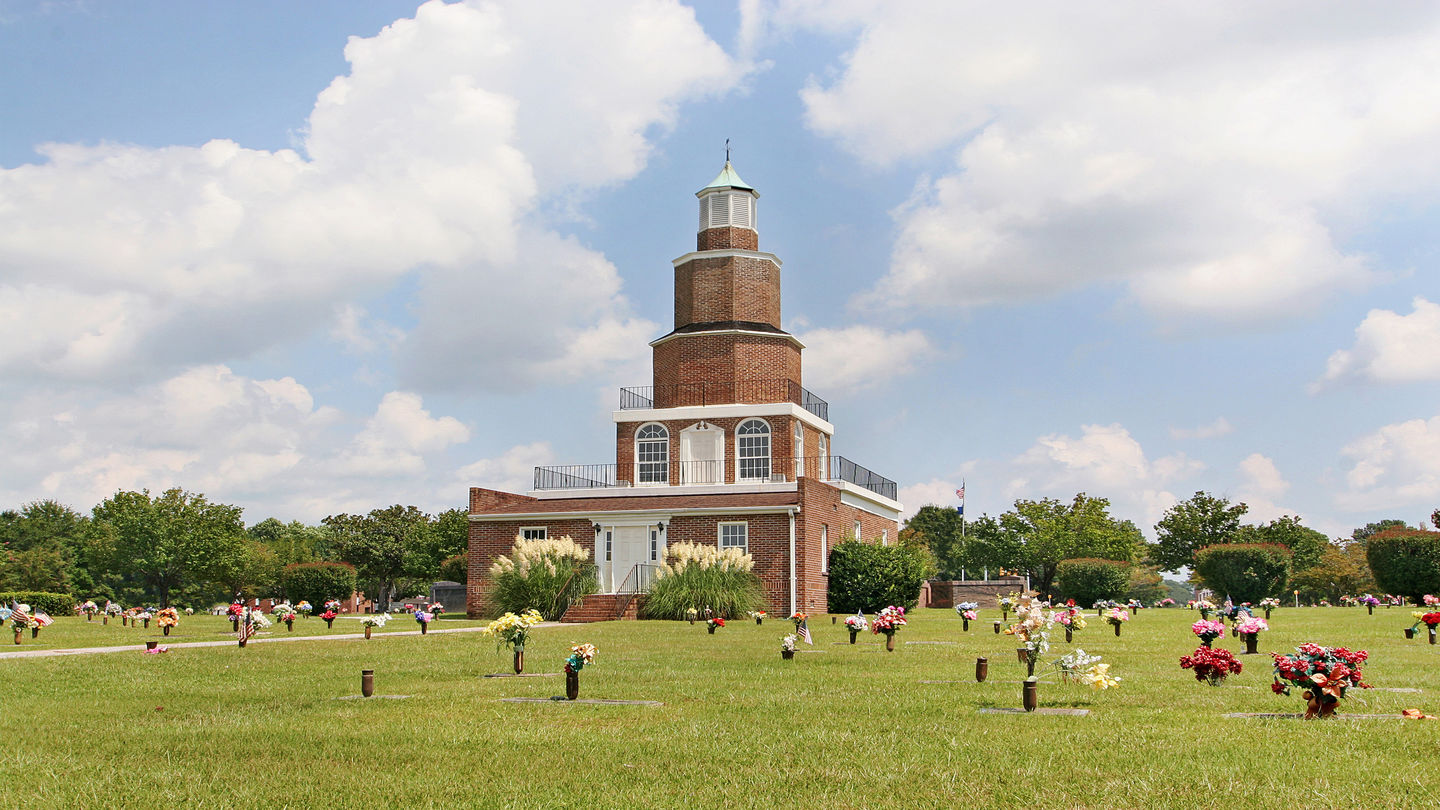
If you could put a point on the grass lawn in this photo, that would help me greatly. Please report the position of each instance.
(839, 726)
(72, 632)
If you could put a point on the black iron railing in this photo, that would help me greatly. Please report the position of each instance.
(750, 471)
(722, 393)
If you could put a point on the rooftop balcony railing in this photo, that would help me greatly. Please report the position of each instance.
(747, 471)
(722, 393)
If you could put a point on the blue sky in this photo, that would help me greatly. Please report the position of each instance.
(321, 257)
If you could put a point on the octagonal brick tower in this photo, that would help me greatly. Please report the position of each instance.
(727, 345)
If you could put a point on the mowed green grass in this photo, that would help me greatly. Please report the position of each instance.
(72, 632)
(839, 726)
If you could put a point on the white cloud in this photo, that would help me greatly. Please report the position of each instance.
(1202, 157)
(1396, 466)
(513, 471)
(1220, 427)
(1260, 486)
(935, 492)
(1391, 348)
(434, 154)
(858, 357)
(399, 435)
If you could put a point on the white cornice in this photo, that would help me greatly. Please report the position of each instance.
(677, 335)
(698, 412)
(601, 513)
(727, 253)
(872, 502)
(651, 491)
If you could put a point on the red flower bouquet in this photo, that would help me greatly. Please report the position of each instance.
(1323, 672)
(1211, 666)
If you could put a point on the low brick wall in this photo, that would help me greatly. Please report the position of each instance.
(946, 593)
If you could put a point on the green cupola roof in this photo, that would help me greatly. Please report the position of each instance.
(727, 179)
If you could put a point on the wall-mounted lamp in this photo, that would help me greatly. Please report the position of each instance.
(660, 526)
(597, 528)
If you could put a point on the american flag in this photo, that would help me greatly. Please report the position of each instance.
(805, 633)
(248, 628)
(960, 493)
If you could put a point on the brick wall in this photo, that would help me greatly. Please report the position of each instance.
(821, 509)
(729, 366)
(769, 538)
(782, 440)
(727, 239)
(491, 539)
(946, 593)
(727, 288)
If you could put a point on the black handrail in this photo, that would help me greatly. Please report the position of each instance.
(722, 393)
(778, 469)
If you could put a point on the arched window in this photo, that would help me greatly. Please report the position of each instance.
(799, 450)
(652, 454)
(824, 470)
(752, 450)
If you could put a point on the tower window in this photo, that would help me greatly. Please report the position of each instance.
(652, 454)
(752, 442)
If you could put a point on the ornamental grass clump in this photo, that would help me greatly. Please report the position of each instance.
(696, 576)
(1211, 666)
(544, 575)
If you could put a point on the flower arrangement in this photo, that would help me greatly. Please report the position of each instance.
(797, 618)
(1325, 673)
(1006, 603)
(714, 622)
(968, 615)
(1166, 602)
(856, 623)
(787, 643)
(304, 608)
(156, 650)
(964, 606)
(189, 611)
(1430, 600)
(424, 617)
(1134, 605)
(888, 621)
(235, 611)
(332, 605)
(1430, 619)
(1032, 629)
(1251, 625)
(168, 617)
(1208, 630)
(328, 616)
(89, 608)
(1087, 669)
(437, 608)
(512, 630)
(1071, 618)
(371, 620)
(1117, 616)
(283, 608)
(760, 614)
(1349, 601)
(580, 655)
(1205, 606)
(111, 608)
(691, 614)
(1211, 666)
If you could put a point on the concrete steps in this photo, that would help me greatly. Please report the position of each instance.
(602, 607)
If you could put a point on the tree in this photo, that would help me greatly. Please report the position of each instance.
(252, 571)
(868, 577)
(292, 542)
(317, 582)
(1405, 561)
(1089, 580)
(1304, 542)
(1201, 521)
(45, 538)
(1146, 585)
(1339, 571)
(987, 546)
(938, 529)
(1245, 572)
(1373, 528)
(170, 540)
(382, 545)
(1050, 531)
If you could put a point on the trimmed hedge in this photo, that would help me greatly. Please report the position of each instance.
(1088, 580)
(317, 582)
(1245, 572)
(1405, 561)
(866, 577)
(55, 604)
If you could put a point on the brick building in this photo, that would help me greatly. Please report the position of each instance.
(725, 447)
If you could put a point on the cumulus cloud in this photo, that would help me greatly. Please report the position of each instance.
(1261, 485)
(1201, 159)
(434, 155)
(935, 492)
(858, 357)
(1220, 427)
(512, 471)
(1397, 465)
(1390, 348)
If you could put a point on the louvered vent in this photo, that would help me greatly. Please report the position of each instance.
(727, 210)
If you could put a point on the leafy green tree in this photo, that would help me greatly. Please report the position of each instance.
(1405, 561)
(868, 577)
(252, 571)
(938, 529)
(1304, 542)
(317, 582)
(1146, 585)
(1373, 528)
(1245, 572)
(45, 538)
(293, 542)
(1201, 521)
(384, 545)
(172, 539)
(1339, 572)
(1088, 580)
(1050, 531)
(988, 546)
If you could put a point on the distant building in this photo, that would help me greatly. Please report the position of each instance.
(725, 447)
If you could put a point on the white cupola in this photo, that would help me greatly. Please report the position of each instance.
(727, 202)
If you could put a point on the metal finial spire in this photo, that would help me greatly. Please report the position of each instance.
(727, 150)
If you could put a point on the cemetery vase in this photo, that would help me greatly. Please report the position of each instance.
(1022, 655)
(834, 619)
(852, 636)
(519, 660)
(1069, 634)
(1432, 635)
(1030, 695)
(367, 682)
(89, 617)
(124, 621)
(1370, 609)
(1317, 707)
(35, 633)
(234, 625)
(757, 621)
(1267, 614)
(711, 628)
(368, 628)
(150, 645)
(1205, 642)
(18, 632)
(787, 654)
(966, 628)
(1409, 632)
(104, 619)
(167, 629)
(290, 624)
(997, 626)
(889, 642)
(424, 628)
(982, 669)
(572, 684)
(692, 620)
(1117, 630)
(147, 624)
(330, 623)
(1252, 643)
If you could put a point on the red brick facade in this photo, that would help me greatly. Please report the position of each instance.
(727, 288)
(727, 239)
(712, 368)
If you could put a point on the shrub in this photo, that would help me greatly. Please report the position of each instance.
(866, 577)
(1088, 580)
(699, 576)
(1405, 561)
(544, 575)
(456, 568)
(318, 582)
(55, 604)
(1245, 572)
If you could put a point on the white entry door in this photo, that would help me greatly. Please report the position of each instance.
(702, 455)
(629, 546)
